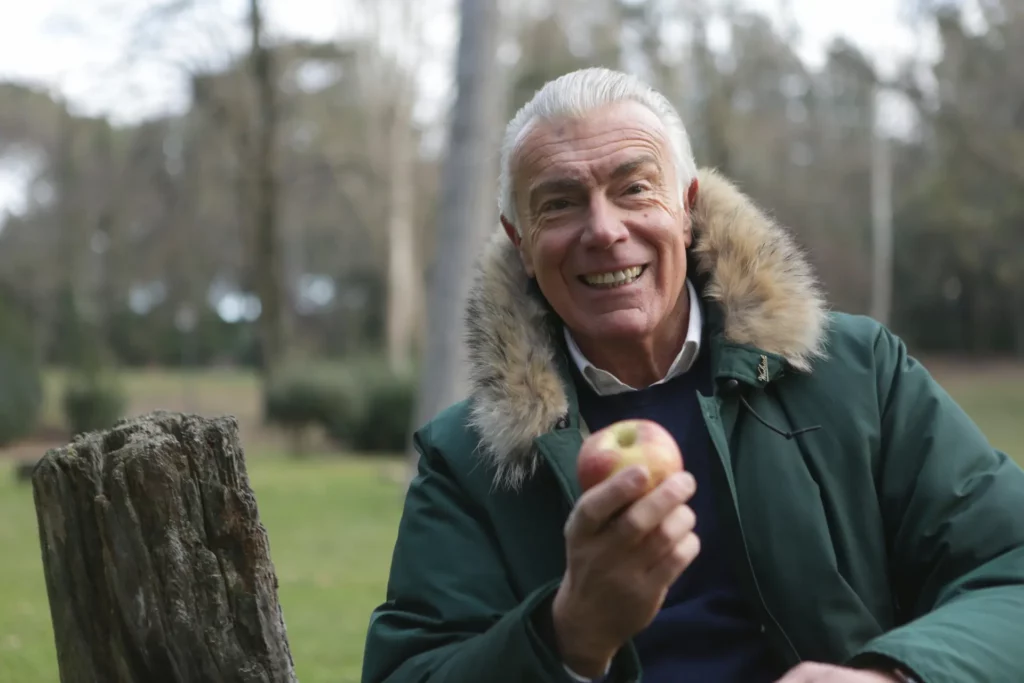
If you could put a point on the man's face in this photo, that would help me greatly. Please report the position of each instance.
(604, 228)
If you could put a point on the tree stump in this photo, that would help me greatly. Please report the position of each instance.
(157, 566)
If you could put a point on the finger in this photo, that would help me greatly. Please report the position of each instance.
(808, 672)
(675, 527)
(649, 512)
(668, 569)
(599, 505)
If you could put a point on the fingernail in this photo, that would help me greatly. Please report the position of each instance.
(677, 484)
(638, 477)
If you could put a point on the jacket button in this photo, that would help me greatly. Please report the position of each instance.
(730, 387)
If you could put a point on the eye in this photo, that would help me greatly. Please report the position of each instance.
(636, 188)
(554, 205)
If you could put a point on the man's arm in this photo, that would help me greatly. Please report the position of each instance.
(450, 614)
(954, 517)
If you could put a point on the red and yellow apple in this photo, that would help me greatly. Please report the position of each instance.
(626, 443)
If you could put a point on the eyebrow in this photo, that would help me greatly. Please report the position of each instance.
(630, 167)
(554, 186)
(569, 184)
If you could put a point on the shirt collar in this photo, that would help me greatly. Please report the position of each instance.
(605, 383)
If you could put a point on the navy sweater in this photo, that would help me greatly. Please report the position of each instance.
(706, 631)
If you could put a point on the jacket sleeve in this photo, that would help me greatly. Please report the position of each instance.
(954, 521)
(450, 615)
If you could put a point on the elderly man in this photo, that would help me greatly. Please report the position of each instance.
(840, 519)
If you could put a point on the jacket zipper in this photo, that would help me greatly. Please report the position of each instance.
(717, 430)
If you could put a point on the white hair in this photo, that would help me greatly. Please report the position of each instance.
(573, 95)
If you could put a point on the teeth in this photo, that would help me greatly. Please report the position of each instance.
(614, 279)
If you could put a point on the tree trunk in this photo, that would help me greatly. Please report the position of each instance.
(1018, 318)
(157, 567)
(716, 93)
(881, 218)
(73, 346)
(269, 254)
(461, 197)
(403, 271)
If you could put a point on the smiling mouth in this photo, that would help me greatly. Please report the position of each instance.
(615, 278)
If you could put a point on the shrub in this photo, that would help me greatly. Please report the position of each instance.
(386, 416)
(301, 399)
(93, 402)
(358, 405)
(21, 383)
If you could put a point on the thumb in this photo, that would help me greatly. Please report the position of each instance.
(600, 504)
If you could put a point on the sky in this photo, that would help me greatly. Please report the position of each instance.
(126, 58)
(109, 56)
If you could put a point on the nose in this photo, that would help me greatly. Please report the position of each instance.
(604, 226)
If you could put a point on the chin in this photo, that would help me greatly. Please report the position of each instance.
(628, 324)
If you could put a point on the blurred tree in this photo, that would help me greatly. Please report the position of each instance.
(21, 391)
(553, 40)
(404, 280)
(964, 207)
(269, 257)
(463, 193)
(154, 223)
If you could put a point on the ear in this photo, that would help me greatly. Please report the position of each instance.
(690, 202)
(511, 231)
(691, 195)
(517, 240)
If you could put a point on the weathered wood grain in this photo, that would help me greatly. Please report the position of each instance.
(157, 567)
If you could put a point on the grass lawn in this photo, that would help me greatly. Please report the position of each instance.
(331, 521)
(993, 397)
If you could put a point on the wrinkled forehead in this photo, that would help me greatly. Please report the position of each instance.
(597, 140)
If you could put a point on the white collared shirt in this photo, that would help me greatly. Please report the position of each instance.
(605, 383)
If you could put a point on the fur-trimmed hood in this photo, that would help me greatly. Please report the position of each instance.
(754, 270)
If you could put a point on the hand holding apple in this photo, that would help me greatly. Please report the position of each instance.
(628, 539)
(808, 672)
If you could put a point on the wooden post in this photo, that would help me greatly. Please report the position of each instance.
(157, 566)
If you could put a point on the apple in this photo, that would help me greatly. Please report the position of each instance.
(626, 443)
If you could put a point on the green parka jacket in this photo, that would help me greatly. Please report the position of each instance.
(892, 530)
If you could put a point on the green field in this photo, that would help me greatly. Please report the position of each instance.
(331, 521)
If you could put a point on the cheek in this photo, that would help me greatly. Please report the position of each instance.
(671, 243)
(667, 235)
(547, 254)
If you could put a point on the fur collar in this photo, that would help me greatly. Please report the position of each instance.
(755, 272)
